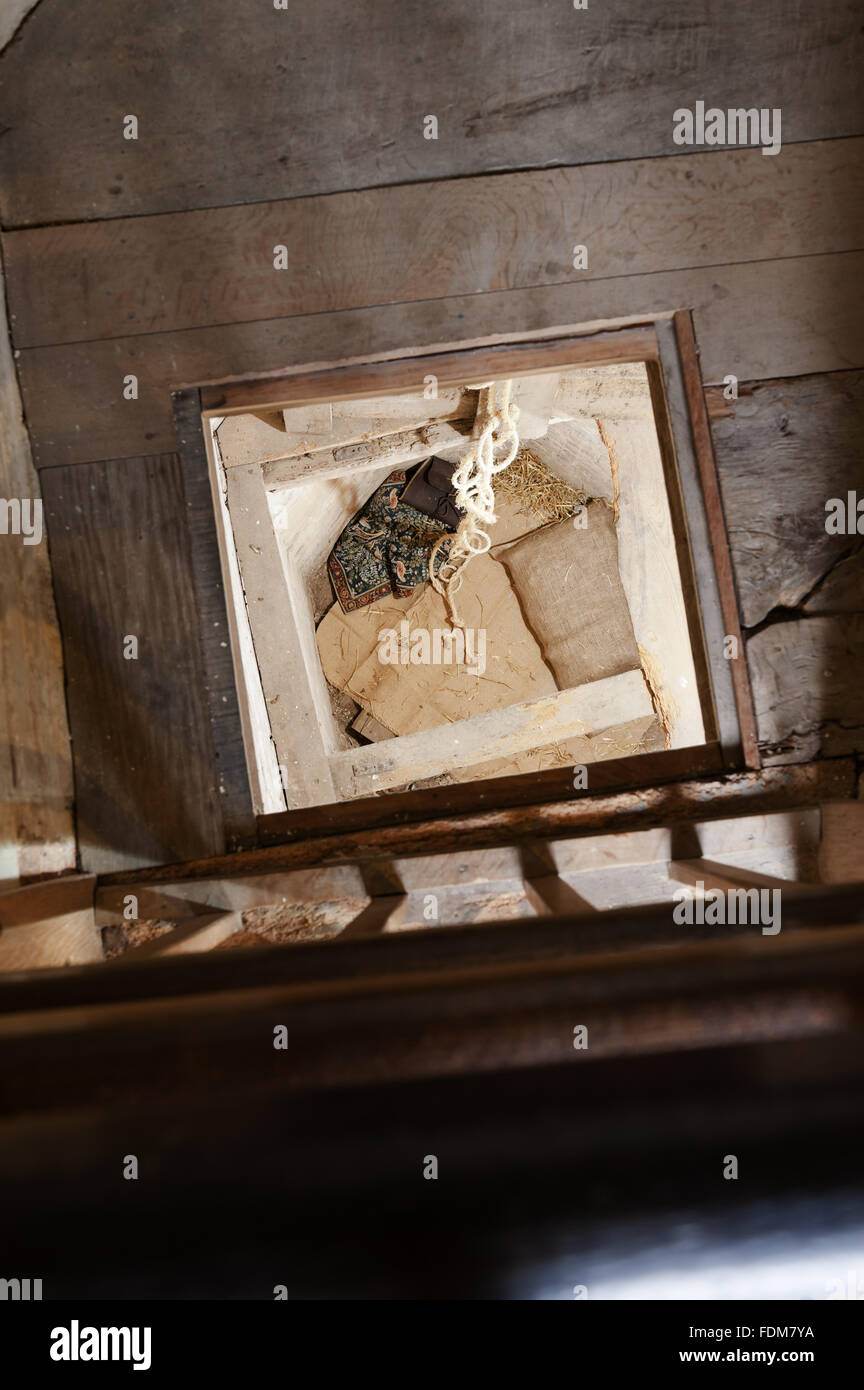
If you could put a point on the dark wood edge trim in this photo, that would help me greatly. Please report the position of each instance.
(769, 790)
(666, 438)
(688, 352)
(615, 949)
(385, 375)
(490, 794)
(238, 817)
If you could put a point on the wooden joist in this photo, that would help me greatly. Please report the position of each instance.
(49, 924)
(191, 935)
(675, 803)
(711, 875)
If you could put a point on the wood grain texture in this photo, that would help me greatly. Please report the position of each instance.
(49, 924)
(214, 626)
(677, 803)
(283, 633)
(807, 676)
(37, 833)
(347, 89)
(500, 733)
(787, 318)
(783, 449)
(145, 774)
(510, 231)
(698, 419)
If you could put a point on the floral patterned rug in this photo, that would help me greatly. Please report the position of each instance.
(385, 549)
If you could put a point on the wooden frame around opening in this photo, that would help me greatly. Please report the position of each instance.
(667, 347)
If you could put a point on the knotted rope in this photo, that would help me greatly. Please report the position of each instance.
(494, 429)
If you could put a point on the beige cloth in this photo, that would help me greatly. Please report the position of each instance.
(572, 598)
(408, 698)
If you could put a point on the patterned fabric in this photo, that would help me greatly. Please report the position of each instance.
(385, 549)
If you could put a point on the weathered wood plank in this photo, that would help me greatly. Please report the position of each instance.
(196, 269)
(755, 320)
(393, 450)
(346, 90)
(284, 637)
(783, 449)
(192, 935)
(145, 775)
(37, 833)
(807, 676)
(701, 800)
(500, 733)
(307, 429)
(711, 875)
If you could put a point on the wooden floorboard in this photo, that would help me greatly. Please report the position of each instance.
(808, 674)
(146, 783)
(783, 449)
(347, 88)
(758, 321)
(509, 231)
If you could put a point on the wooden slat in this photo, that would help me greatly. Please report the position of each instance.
(191, 935)
(49, 924)
(145, 776)
(755, 320)
(552, 896)
(394, 449)
(197, 269)
(750, 794)
(284, 638)
(555, 718)
(711, 875)
(375, 917)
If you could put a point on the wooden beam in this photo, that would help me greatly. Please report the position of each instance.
(190, 935)
(723, 876)
(284, 640)
(707, 799)
(395, 450)
(375, 917)
(532, 724)
(49, 924)
(552, 896)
